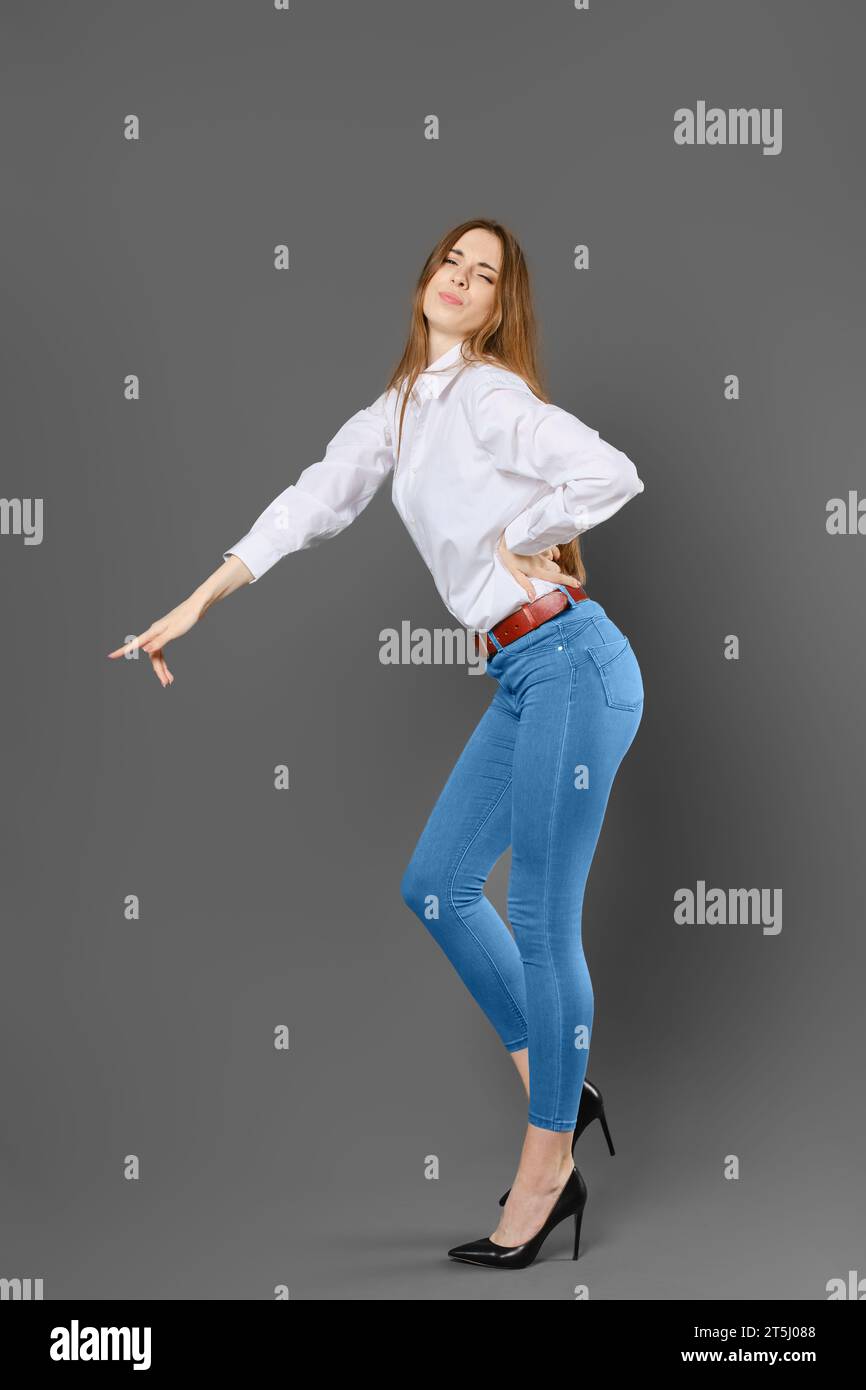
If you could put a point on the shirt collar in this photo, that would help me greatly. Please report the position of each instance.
(436, 377)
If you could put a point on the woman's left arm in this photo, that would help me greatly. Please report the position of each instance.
(587, 479)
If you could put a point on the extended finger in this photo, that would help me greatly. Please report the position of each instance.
(161, 668)
(131, 645)
(155, 663)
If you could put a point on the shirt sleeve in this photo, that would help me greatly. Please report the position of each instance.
(327, 496)
(582, 479)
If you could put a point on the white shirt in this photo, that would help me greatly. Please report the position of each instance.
(480, 454)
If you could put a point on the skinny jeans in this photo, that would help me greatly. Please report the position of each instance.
(536, 774)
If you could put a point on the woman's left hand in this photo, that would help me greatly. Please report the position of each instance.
(542, 566)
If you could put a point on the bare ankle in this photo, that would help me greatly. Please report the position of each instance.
(550, 1178)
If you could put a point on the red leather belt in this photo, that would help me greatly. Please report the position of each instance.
(531, 615)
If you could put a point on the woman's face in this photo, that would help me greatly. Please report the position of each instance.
(461, 293)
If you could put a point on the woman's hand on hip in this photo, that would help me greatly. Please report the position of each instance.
(526, 567)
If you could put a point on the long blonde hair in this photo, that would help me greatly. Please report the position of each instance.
(508, 338)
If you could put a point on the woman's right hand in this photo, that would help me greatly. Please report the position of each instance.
(232, 574)
(174, 624)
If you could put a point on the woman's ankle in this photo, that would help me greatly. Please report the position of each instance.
(542, 1180)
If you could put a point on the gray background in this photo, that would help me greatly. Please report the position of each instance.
(155, 1038)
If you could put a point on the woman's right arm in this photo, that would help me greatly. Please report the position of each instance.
(327, 498)
(232, 574)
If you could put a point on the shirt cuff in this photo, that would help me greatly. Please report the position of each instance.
(257, 553)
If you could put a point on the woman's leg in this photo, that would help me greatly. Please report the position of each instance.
(468, 830)
(570, 743)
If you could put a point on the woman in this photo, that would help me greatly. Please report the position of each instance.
(494, 484)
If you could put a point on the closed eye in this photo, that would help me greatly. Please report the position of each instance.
(450, 261)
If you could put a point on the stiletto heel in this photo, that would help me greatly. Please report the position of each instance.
(606, 1131)
(591, 1108)
(577, 1221)
(570, 1202)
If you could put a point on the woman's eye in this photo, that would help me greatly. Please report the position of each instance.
(449, 261)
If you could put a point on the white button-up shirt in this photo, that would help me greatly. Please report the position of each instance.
(480, 454)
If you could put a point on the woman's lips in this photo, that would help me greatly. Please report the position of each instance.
(449, 298)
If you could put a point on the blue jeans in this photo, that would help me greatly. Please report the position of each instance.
(536, 773)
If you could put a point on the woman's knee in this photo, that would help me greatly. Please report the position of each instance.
(434, 894)
(417, 885)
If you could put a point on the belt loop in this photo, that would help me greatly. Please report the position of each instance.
(566, 589)
(495, 640)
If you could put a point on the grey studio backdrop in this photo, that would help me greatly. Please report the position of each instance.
(730, 1057)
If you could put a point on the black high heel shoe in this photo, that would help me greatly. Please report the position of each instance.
(570, 1202)
(591, 1108)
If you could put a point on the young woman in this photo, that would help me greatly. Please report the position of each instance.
(495, 484)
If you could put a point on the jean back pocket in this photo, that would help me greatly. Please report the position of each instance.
(620, 673)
